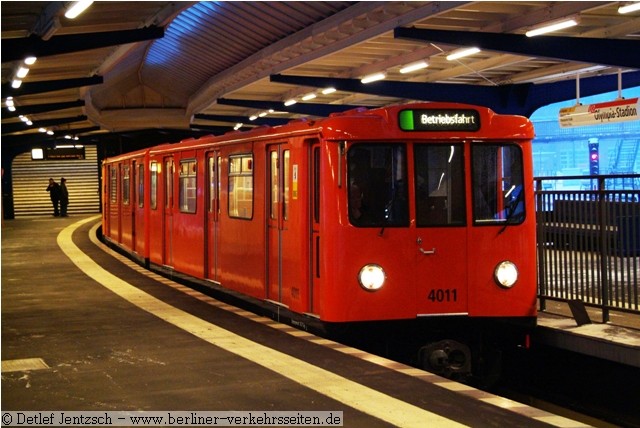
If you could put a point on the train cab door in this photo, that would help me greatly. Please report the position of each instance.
(214, 162)
(441, 233)
(167, 223)
(278, 158)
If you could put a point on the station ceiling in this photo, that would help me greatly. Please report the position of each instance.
(162, 71)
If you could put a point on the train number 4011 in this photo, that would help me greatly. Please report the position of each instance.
(440, 295)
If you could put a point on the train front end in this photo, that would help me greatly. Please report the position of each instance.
(432, 220)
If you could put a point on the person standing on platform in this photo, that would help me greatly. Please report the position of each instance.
(54, 193)
(64, 197)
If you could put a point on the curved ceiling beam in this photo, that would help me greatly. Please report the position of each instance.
(10, 128)
(312, 109)
(522, 99)
(50, 85)
(18, 49)
(260, 65)
(617, 53)
(270, 121)
(41, 108)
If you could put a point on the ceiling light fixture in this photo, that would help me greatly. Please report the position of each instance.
(373, 78)
(548, 28)
(414, 67)
(309, 96)
(30, 60)
(22, 72)
(290, 102)
(77, 8)
(327, 91)
(10, 104)
(628, 8)
(461, 53)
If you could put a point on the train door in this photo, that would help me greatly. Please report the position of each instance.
(214, 161)
(110, 179)
(167, 224)
(121, 207)
(139, 220)
(134, 203)
(278, 157)
(314, 192)
(441, 234)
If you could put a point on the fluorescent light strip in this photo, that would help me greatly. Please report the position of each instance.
(628, 8)
(460, 53)
(309, 96)
(77, 8)
(290, 102)
(22, 72)
(373, 78)
(552, 27)
(414, 67)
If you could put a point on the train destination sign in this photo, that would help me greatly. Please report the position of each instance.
(600, 113)
(439, 120)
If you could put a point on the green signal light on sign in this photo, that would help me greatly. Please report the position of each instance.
(405, 120)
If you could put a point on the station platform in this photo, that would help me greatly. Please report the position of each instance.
(84, 329)
(617, 343)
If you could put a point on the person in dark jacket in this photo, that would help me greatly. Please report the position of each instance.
(54, 193)
(64, 197)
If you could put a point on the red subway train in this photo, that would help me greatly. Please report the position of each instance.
(420, 213)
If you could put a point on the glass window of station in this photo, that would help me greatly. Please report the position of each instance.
(565, 151)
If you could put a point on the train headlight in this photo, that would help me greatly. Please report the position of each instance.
(506, 274)
(371, 277)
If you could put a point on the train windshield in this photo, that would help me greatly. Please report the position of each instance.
(377, 176)
(439, 178)
(497, 180)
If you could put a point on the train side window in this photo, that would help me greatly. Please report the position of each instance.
(377, 177)
(113, 184)
(439, 178)
(140, 186)
(187, 183)
(498, 195)
(285, 208)
(153, 191)
(241, 186)
(274, 185)
(168, 188)
(126, 189)
(316, 184)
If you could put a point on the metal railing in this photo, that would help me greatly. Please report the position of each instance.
(588, 234)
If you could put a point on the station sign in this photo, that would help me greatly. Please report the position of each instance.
(439, 120)
(600, 113)
(65, 153)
